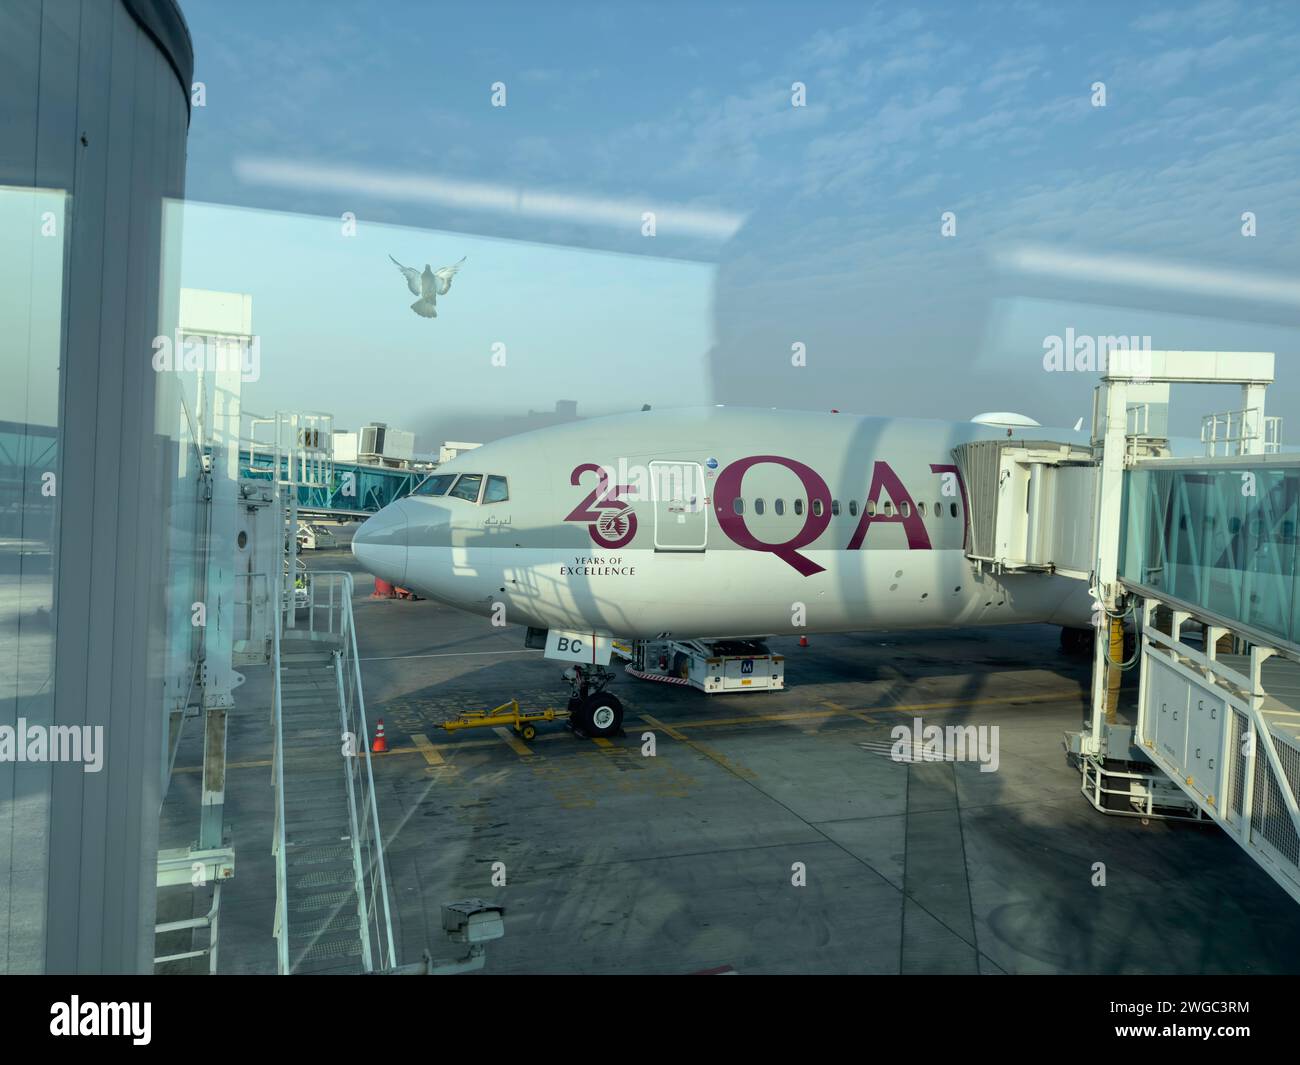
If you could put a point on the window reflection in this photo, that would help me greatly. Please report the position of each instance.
(31, 304)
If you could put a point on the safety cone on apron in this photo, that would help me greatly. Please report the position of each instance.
(379, 744)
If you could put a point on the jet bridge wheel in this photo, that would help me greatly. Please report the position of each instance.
(601, 714)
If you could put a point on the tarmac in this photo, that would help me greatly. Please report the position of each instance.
(761, 832)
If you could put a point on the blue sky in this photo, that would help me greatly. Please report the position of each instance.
(817, 225)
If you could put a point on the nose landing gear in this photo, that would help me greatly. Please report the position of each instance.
(592, 710)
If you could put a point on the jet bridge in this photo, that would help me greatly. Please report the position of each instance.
(1195, 552)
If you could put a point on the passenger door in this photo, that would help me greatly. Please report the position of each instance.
(681, 512)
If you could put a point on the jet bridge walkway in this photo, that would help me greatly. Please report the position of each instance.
(333, 910)
(1208, 566)
(1198, 555)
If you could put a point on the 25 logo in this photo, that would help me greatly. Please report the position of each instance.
(611, 522)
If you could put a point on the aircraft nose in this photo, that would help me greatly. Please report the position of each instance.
(381, 542)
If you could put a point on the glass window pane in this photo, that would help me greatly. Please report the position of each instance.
(436, 485)
(497, 490)
(467, 487)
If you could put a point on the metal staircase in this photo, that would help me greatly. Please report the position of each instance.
(332, 906)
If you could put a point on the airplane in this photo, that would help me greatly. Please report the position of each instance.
(714, 522)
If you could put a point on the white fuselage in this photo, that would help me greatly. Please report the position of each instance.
(713, 523)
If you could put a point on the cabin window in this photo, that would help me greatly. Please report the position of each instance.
(497, 490)
(871, 508)
(938, 510)
(835, 508)
(467, 487)
(889, 508)
(817, 508)
(920, 509)
(798, 507)
(758, 506)
(853, 508)
(778, 505)
(905, 508)
(953, 508)
(738, 506)
(436, 485)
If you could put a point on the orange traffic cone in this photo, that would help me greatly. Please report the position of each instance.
(379, 745)
(803, 641)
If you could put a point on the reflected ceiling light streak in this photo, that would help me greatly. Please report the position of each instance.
(670, 219)
(1139, 272)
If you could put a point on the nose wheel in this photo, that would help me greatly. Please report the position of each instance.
(592, 710)
(600, 715)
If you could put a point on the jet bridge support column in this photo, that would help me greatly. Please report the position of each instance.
(220, 416)
(1112, 409)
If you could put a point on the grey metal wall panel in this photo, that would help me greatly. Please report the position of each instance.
(56, 145)
(19, 79)
(88, 535)
(119, 413)
(93, 107)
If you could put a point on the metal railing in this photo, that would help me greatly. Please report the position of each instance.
(281, 928)
(329, 611)
(1233, 432)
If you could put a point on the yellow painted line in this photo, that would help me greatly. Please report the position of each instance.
(266, 763)
(430, 752)
(860, 715)
(708, 752)
(805, 715)
(600, 741)
(515, 743)
(834, 710)
(664, 728)
(436, 765)
(229, 765)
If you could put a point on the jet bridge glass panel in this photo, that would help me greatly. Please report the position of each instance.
(1220, 538)
(680, 506)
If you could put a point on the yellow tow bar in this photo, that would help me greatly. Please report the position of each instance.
(522, 721)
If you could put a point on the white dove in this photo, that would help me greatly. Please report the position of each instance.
(428, 286)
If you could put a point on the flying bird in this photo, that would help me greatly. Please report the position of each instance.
(428, 286)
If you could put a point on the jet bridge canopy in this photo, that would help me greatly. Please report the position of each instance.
(1220, 536)
(1029, 504)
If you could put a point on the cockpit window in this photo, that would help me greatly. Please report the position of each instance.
(467, 487)
(436, 485)
(497, 490)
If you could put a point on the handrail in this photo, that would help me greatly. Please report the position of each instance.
(330, 611)
(370, 778)
(358, 870)
(281, 930)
